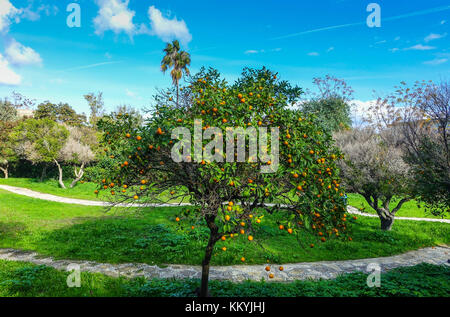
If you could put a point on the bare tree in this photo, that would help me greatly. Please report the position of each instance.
(374, 168)
(78, 150)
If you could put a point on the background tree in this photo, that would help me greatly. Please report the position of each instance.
(229, 197)
(96, 105)
(78, 150)
(420, 114)
(61, 113)
(330, 102)
(40, 141)
(7, 153)
(177, 60)
(374, 168)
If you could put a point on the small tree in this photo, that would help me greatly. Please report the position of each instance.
(78, 150)
(374, 168)
(229, 197)
(40, 141)
(330, 102)
(421, 115)
(96, 106)
(7, 153)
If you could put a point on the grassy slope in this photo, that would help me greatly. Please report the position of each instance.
(152, 236)
(409, 209)
(24, 279)
(86, 191)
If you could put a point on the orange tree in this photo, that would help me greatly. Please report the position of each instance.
(230, 197)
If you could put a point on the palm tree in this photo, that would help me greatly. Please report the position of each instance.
(177, 60)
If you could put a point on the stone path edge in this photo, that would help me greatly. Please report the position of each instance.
(439, 255)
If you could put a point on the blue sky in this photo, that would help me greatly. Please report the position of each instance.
(117, 49)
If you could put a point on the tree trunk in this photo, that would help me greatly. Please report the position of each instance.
(44, 172)
(78, 175)
(213, 238)
(386, 224)
(387, 219)
(60, 179)
(5, 171)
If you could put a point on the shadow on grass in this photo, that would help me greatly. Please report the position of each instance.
(123, 239)
(11, 230)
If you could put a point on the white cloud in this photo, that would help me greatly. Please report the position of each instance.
(330, 49)
(397, 38)
(313, 54)
(7, 75)
(420, 47)
(19, 54)
(7, 12)
(359, 110)
(34, 15)
(251, 52)
(443, 22)
(434, 36)
(165, 28)
(436, 61)
(114, 15)
(395, 49)
(130, 93)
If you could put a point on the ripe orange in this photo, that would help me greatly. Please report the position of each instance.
(281, 268)
(250, 238)
(227, 218)
(138, 138)
(128, 135)
(295, 175)
(243, 224)
(240, 96)
(159, 131)
(229, 208)
(271, 275)
(322, 239)
(243, 259)
(281, 227)
(242, 231)
(311, 245)
(177, 219)
(267, 268)
(136, 197)
(96, 192)
(223, 238)
(289, 230)
(143, 182)
(125, 163)
(230, 203)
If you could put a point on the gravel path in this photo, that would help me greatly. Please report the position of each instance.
(34, 194)
(239, 273)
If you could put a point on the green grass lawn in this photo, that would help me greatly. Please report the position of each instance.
(152, 236)
(409, 209)
(86, 191)
(26, 280)
(80, 191)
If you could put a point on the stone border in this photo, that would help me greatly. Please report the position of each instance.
(33, 194)
(238, 273)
